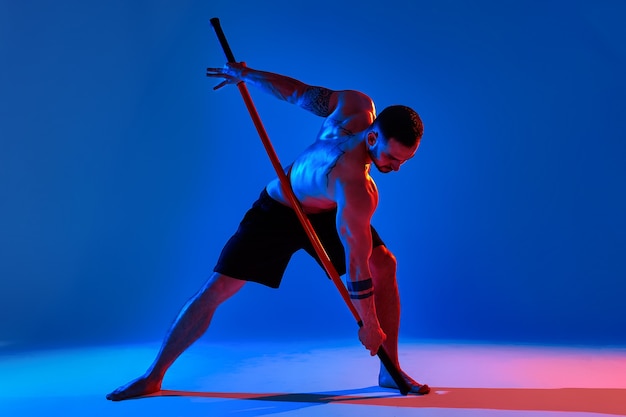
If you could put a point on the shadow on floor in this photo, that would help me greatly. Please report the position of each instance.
(592, 400)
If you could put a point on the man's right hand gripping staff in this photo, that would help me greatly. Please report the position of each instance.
(371, 334)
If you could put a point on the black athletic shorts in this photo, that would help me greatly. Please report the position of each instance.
(269, 234)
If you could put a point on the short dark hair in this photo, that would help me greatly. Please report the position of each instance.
(401, 123)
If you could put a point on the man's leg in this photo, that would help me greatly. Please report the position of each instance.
(191, 323)
(383, 269)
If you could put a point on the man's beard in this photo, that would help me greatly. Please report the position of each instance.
(383, 169)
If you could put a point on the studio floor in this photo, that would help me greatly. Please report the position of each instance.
(321, 378)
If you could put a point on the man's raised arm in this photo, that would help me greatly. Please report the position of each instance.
(320, 101)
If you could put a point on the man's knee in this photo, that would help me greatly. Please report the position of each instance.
(383, 262)
(220, 287)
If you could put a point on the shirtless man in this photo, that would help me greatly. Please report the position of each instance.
(331, 179)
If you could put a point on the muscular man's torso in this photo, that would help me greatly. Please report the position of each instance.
(314, 172)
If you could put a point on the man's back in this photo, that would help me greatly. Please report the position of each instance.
(338, 153)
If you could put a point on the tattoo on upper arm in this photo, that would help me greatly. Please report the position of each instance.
(317, 101)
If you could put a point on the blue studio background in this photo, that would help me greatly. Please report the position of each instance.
(122, 173)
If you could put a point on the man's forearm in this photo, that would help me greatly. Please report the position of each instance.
(362, 295)
(318, 100)
(315, 99)
(281, 86)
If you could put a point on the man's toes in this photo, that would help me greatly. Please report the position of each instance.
(112, 397)
(421, 389)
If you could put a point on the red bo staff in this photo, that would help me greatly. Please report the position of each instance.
(403, 386)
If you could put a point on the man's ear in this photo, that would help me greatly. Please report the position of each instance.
(371, 138)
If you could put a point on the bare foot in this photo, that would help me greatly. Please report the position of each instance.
(386, 381)
(136, 388)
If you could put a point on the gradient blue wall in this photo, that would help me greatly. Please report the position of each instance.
(122, 173)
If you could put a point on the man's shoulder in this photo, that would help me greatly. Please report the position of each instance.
(352, 102)
(354, 187)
